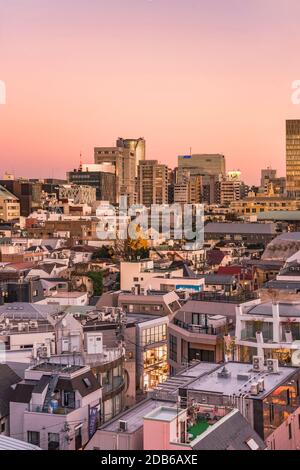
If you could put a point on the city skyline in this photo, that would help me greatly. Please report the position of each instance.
(212, 77)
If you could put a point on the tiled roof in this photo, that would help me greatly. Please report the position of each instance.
(7, 378)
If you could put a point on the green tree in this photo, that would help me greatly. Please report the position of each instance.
(97, 278)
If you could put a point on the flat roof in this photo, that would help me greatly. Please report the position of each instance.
(163, 413)
(135, 416)
(279, 215)
(64, 368)
(66, 295)
(232, 385)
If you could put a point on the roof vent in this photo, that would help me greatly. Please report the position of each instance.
(224, 374)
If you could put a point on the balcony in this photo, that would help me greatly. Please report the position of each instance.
(113, 386)
(55, 409)
(109, 355)
(250, 336)
(200, 329)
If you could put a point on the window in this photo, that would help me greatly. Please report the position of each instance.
(53, 441)
(288, 397)
(87, 382)
(78, 438)
(33, 437)
(290, 431)
(2, 429)
(271, 412)
(173, 348)
(252, 444)
(69, 399)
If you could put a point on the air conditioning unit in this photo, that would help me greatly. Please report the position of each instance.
(123, 425)
(254, 390)
(33, 324)
(44, 351)
(258, 363)
(261, 384)
(21, 326)
(273, 366)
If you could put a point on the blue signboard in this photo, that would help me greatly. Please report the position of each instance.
(193, 288)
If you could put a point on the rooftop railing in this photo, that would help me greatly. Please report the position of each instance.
(225, 298)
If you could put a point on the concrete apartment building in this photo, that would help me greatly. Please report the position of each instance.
(9, 206)
(201, 328)
(135, 273)
(266, 396)
(167, 422)
(270, 330)
(74, 335)
(55, 407)
(230, 190)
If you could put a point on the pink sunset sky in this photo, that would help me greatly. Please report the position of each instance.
(213, 75)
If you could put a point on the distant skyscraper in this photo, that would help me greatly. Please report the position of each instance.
(123, 160)
(137, 146)
(152, 183)
(293, 157)
(202, 164)
(267, 175)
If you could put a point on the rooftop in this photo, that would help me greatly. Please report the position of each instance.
(163, 413)
(135, 416)
(232, 432)
(237, 227)
(239, 378)
(57, 368)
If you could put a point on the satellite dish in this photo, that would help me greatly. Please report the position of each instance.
(296, 358)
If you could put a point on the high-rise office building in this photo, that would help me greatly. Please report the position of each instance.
(271, 183)
(202, 164)
(136, 146)
(267, 175)
(293, 158)
(123, 160)
(152, 183)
